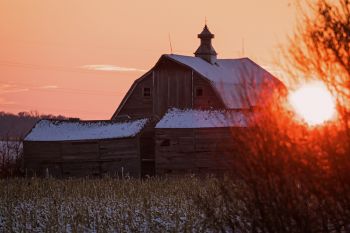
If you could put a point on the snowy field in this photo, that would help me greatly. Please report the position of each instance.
(103, 205)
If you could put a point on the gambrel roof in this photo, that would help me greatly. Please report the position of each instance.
(239, 82)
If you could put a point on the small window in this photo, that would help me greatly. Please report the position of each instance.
(146, 92)
(199, 91)
(165, 142)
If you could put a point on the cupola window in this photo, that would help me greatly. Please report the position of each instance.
(147, 92)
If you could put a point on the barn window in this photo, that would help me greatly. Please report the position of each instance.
(165, 142)
(199, 91)
(146, 92)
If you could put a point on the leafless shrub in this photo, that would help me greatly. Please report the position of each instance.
(287, 176)
(101, 205)
(11, 153)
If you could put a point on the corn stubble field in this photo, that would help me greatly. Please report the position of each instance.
(103, 205)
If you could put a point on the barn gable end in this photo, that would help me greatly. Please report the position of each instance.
(171, 84)
(186, 82)
(135, 105)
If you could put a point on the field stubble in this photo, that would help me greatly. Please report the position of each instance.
(103, 205)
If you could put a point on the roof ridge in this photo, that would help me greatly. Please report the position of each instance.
(218, 59)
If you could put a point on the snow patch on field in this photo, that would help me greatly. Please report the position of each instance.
(85, 214)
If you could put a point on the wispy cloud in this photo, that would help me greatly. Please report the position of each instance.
(12, 88)
(48, 87)
(6, 102)
(15, 90)
(3, 86)
(111, 68)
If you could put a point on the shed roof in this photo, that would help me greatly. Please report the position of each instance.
(239, 82)
(176, 118)
(54, 130)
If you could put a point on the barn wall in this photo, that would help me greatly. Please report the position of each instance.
(83, 158)
(139, 106)
(173, 87)
(39, 156)
(198, 151)
(210, 99)
(147, 146)
(120, 156)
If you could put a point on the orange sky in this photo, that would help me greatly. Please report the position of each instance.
(49, 49)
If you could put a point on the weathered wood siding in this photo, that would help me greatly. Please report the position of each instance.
(114, 157)
(199, 151)
(147, 147)
(172, 85)
(39, 156)
(210, 99)
(136, 105)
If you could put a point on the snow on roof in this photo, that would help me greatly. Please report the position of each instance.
(176, 118)
(238, 81)
(53, 130)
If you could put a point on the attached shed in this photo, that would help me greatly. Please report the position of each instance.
(85, 148)
(197, 141)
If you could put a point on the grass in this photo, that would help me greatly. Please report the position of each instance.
(102, 205)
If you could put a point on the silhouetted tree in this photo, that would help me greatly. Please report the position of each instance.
(16, 126)
(13, 128)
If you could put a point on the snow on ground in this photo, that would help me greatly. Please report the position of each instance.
(176, 118)
(53, 130)
(106, 205)
(104, 214)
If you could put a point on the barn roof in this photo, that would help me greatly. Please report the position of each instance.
(176, 118)
(54, 130)
(239, 82)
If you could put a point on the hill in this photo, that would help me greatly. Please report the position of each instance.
(16, 126)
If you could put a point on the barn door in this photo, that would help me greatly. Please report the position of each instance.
(147, 153)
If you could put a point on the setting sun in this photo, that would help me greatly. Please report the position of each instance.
(313, 102)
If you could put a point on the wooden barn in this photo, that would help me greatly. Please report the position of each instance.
(177, 87)
(86, 148)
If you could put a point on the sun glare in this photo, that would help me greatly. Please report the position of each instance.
(313, 102)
